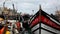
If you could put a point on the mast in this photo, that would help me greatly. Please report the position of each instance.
(40, 19)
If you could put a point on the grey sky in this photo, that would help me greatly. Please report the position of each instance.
(26, 6)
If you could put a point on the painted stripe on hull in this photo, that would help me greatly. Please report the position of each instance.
(45, 32)
(49, 28)
(35, 27)
(50, 23)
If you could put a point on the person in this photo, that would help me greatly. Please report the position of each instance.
(17, 27)
(7, 28)
(2, 25)
(26, 26)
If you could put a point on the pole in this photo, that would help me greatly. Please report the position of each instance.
(40, 20)
(4, 4)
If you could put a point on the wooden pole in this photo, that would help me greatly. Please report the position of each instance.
(40, 20)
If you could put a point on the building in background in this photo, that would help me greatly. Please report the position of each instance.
(8, 12)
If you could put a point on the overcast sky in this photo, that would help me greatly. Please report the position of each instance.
(26, 6)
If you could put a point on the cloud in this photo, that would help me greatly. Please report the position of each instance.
(49, 6)
(27, 6)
